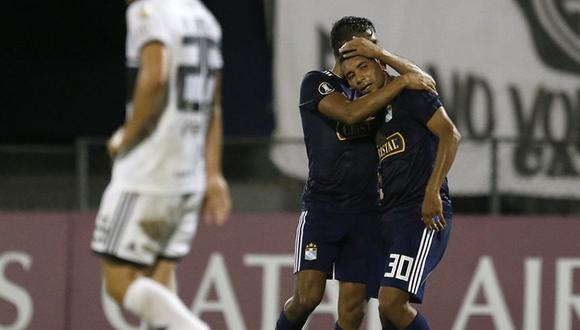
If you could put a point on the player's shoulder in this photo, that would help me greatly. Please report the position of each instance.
(207, 23)
(141, 7)
(143, 10)
(419, 97)
(316, 85)
(321, 82)
(323, 78)
(318, 75)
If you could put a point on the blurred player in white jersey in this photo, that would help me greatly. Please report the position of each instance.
(167, 159)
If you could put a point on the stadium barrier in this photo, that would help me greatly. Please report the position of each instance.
(509, 177)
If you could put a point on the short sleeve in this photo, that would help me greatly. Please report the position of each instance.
(315, 86)
(145, 24)
(422, 105)
(215, 57)
(216, 60)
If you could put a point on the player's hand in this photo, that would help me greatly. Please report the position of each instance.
(360, 47)
(217, 203)
(419, 81)
(432, 211)
(114, 143)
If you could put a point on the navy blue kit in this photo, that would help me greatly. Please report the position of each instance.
(407, 151)
(338, 229)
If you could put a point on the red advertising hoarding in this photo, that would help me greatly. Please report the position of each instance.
(498, 273)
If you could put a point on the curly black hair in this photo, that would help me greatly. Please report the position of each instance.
(347, 27)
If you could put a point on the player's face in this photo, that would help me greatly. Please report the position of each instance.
(363, 74)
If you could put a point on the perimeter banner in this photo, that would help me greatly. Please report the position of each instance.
(505, 69)
(497, 273)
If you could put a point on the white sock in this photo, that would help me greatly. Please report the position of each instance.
(160, 308)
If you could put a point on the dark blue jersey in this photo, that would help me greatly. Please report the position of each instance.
(342, 159)
(407, 149)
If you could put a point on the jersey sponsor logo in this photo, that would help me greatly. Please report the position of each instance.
(399, 267)
(311, 252)
(325, 88)
(393, 145)
(389, 114)
(364, 129)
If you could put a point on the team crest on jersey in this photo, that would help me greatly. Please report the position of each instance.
(325, 88)
(310, 252)
(145, 11)
(389, 114)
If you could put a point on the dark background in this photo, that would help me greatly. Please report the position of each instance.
(63, 72)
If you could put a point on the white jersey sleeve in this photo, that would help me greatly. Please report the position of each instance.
(145, 24)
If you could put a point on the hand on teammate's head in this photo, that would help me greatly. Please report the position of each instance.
(360, 46)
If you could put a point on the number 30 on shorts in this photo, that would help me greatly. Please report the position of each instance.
(399, 267)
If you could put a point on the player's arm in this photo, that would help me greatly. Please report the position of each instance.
(448, 135)
(338, 107)
(148, 97)
(217, 202)
(365, 47)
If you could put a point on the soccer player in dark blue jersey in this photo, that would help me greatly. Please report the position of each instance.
(416, 144)
(338, 226)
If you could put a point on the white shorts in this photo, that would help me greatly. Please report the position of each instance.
(141, 228)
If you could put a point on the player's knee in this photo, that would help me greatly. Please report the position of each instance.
(115, 291)
(308, 301)
(117, 286)
(351, 316)
(390, 306)
(118, 278)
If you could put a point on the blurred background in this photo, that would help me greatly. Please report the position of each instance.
(508, 73)
(63, 93)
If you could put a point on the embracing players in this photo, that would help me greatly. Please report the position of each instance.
(337, 229)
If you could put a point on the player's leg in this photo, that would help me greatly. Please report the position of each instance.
(313, 257)
(124, 243)
(162, 272)
(394, 307)
(113, 217)
(118, 277)
(352, 300)
(309, 288)
(358, 268)
(414, 253)
(147, 299)
(185, 211)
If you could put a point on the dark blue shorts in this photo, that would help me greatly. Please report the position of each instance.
(347, 247)
(412, 251)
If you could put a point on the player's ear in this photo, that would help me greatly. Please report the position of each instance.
(381, 64)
